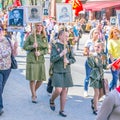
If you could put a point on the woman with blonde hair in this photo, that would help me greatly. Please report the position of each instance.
(37, 46)
(88, 49)
(114, 53)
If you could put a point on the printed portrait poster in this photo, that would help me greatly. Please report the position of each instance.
(45, 12)
(113, 20)
(64, 13)
(34, 14)
(118, 18)
(16, 19)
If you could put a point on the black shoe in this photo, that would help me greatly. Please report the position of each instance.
(95, 112)
(52, 105)
(62, 113)
(1, 112)
(34, 99)
(92, 104)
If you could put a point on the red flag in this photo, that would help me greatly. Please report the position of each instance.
(67, 1)
(76, 5)
(17, 3)
(116, 64)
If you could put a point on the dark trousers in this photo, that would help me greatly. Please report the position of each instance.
(4, 74)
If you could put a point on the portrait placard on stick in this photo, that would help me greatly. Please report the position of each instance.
(64, 13)
(118, 18)
(34, 14)
(113, 20)
(16, 19)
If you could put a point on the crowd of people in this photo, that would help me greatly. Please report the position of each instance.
(59, 40)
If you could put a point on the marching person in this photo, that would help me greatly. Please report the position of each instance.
(88, 49)
(5, 62)
(97, 61)
(35, 69)
(114, 53)
(61, 78)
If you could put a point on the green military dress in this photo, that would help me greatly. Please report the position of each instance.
(97, 72)
(35, 69)
(61, 76)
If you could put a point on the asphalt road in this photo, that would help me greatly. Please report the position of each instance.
(17, 96)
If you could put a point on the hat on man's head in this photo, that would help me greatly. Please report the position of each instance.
(34, 10)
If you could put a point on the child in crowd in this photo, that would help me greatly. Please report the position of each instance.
(97, 61)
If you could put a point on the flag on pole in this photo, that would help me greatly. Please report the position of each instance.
(17, 3)
(76, 5)
(116, 64)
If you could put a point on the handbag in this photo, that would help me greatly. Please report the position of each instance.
(49, 86)
(14, 64)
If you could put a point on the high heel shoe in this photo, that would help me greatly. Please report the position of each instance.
(52, 105)
(62, 113)
(95, 112)
(34, 99)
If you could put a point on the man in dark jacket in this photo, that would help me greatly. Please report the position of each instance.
(16, 20)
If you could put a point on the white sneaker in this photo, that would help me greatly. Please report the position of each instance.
(85, 94)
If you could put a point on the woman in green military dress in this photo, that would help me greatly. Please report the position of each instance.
(35, 68)
(98, 62)
(61, 78)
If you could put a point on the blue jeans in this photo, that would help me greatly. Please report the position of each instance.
(86, 81)
(4, 74)
(114, 80)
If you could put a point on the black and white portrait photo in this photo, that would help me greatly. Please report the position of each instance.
(45, 12)
(113, 20)
(34, 14)
(16, 18)
(118, 18)
(64, 13)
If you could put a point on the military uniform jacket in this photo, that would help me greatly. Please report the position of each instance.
(57, 61)
(42, 47)
(98, 66)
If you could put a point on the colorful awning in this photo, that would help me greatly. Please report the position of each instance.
(96, 6)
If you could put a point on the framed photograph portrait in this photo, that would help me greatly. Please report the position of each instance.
(34, 14)
(16, 19)
(118, 18)
(113, 20)
(64, 13)
(45, 12)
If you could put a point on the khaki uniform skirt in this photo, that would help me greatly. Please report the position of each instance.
(62, 80)
(35, 72)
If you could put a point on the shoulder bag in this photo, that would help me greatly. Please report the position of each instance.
(14, 64)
